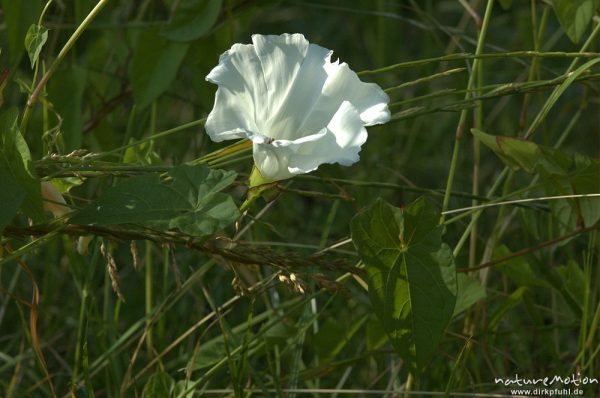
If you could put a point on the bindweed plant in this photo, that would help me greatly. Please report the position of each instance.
(408, 207)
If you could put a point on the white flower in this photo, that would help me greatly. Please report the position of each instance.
(53, 200)
(299, 109)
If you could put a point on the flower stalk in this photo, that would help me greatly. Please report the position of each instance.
(463, 114)
(33, 98)
(259, 186)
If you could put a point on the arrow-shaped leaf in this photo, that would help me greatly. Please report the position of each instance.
(412, 277)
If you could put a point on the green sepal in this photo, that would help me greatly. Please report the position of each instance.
(259, 186)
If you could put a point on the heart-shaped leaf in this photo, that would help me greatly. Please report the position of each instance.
(412, 276)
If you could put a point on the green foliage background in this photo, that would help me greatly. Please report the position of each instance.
(321, 286)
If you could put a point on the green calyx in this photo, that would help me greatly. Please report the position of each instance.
(259, 186)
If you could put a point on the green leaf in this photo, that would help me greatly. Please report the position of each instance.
(573, 278)
(280, 333)
(209, 353)
(16, 159)
(585, 179)
(333, 336)
(192, 202)
(159, 385)
(570, 282)
(184, 389)
(18, 18)
(193, 19)
(412, 276)
(65, 91)
(143, 153)
(470, 291)
(506, 4)
(514, 152)
(562, 174)
(11, 196)
(518, 269)
(507, 305)
(575, 15)
(154, 66)
(34, 41)
(65, 184)
(376, 335)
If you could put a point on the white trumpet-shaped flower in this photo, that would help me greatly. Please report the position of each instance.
(299, 109)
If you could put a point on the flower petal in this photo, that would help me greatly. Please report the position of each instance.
(344, 85)
(294, 73)
(272, 160)
(229, 118)
(240, 100)
(339, 143)
(280, 57)
(368, 98)
(53, 200)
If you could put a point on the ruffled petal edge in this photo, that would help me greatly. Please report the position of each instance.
(340, 142)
